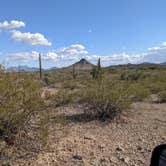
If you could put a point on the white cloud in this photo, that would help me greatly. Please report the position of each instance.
(24, 56)
(164, 44)
(29, 38)
(115, 59)
(51, 56)
(72, 53)
(73, 50)
(154, 49)
(11, 25)
(156, 54)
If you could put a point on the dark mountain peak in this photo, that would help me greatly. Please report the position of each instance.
(83, 64)
(83, 61)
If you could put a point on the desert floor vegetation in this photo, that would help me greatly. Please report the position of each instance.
(101, 95)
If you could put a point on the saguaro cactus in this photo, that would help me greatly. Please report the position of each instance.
(1, 70)
(74, 72)
(97, 70)
(40, 66)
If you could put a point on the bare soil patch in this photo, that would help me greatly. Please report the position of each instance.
(81, 141)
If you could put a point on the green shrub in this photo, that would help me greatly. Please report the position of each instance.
(104, 100)
(139, 92)
(62, 97)
(19, 100)
(162, 96)
(156, 86)
(132, 75)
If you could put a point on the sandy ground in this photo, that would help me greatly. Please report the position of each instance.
(85, 142)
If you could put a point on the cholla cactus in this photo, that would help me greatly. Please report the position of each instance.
(40, 66)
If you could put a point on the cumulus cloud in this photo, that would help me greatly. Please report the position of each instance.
(30, 38)
(70, 53)
(14, 24)
(156, 54)
(27, 37)
(24, 56)
(116, 59)
(67, 55)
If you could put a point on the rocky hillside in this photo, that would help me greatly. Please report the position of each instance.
(83, 64)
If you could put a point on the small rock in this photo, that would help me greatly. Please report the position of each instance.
(119, 149)
(124, 159)
(141, 139)
(103, 160)
(2, 144)
(139, 148)
(92, 154)
(163, 138)
(112, 160)
(89, 137)
(77, 157)
(69, 149)
(101, 146)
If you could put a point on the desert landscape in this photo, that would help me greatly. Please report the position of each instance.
(83, 115)
(83, 83)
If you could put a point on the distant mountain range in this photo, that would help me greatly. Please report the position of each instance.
(163, 63)
(26, 69)
(83, 64)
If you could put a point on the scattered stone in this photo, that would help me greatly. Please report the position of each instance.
(2, 144)
(124, 159)
(119, 149)
(89, 137)
(140, 139)
(101, 146)
(139, 148)
(92, 154)
(77, 157)
(163, 138)
(112, 160)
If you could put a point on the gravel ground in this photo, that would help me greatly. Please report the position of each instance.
(127, 141)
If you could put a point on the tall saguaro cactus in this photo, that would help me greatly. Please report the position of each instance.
(40, 66)
(74, 72)
(97, 71)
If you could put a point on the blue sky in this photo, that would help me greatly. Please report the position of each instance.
(118, 31)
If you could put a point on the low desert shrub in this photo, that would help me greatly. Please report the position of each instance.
(19, 100)
(162, 96)
(132, 75)
(138, 92)
(104, 99)
(62, 97)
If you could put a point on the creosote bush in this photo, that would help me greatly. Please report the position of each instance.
(20, 98)
(132, 75)
(105, 99)
(162, 96)
(138, 92)
(62, 97)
